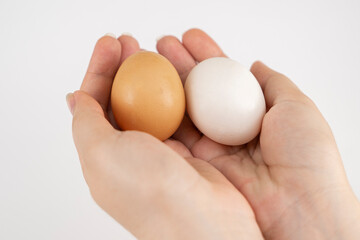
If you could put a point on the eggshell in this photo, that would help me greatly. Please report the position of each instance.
(147, 95)
(225, 101)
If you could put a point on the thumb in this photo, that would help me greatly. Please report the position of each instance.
(90, 127)
(277, 87)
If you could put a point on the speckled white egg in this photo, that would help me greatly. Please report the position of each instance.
(225, 101)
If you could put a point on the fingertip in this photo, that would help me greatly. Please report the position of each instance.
(192, 35)
(167, 43)
(200, 45)
(128, 37)
(263, 73)
(257, 64)
(192, 32)
(109, 49)
(257, 68)
(129, 46)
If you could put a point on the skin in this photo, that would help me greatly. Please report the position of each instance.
(288, 183)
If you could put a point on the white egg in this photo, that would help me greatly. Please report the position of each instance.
(225, 101)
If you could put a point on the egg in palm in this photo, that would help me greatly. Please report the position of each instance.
(225, 101)
(147, 95)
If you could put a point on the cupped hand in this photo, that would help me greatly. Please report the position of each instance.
(292, 173)
(157, 190)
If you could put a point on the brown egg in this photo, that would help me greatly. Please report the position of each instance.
(147, 95)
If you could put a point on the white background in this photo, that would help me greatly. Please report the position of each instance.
(44, 51)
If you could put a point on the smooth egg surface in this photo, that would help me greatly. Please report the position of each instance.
(147, 95)
(225, 101)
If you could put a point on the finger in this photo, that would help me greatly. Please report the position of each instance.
(103, 66)
(90, 127)
(200, 45)
(276, 86)
(129, 46)
(171, 48)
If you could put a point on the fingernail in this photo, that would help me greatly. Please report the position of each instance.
(70, 100)
(159, 37)
(127, 34)
(110, 35)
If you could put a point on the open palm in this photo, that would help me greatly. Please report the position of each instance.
(287, 181)
(288, 170)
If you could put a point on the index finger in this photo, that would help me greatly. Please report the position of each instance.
(200, 45)
(103, 66)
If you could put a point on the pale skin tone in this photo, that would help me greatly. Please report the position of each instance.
(288, 183)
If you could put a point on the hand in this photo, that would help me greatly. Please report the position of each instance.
(152, 190)
(292, 173)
